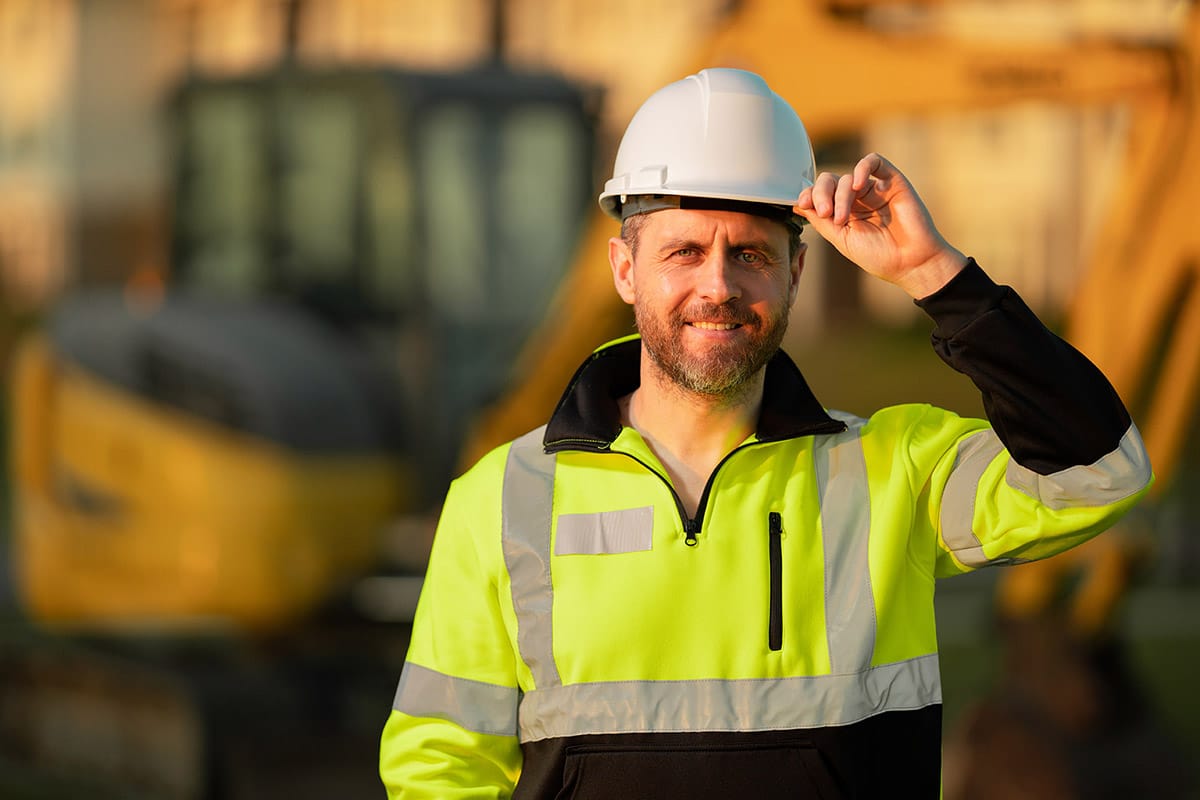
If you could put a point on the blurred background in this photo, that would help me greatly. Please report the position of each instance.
(272, 272)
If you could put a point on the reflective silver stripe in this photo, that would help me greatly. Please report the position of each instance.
(974, 455)
(729, 705)
(628, 530)
(1111, 479)
(476, 706)
(845, 500)
(526, 508)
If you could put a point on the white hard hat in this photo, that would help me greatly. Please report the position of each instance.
(720, 134)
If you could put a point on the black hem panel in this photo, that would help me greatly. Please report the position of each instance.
(1050, 406)
(897, 753)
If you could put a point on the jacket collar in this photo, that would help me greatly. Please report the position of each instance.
(587, 416)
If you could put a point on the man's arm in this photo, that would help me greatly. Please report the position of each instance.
(1063, 460)
(452, 731)
(1051, 406)
(1072, 461)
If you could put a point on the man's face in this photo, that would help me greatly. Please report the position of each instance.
(711, 291)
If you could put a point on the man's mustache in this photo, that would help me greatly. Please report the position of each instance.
(724, 314)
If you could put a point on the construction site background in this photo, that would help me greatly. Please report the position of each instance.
(85, 183)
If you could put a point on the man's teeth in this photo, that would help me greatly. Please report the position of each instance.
(714, 326)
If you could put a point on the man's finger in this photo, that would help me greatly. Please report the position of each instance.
(805, 200)
(873, 164)
(844, 199)
(863, 170)
(822, 193)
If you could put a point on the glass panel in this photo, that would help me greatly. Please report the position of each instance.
(222, 213)
(538, 206)
(319, 153)
(390, 209)
(452, 148)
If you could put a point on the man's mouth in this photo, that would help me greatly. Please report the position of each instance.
(714, 326)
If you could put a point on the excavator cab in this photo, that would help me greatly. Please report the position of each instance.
(356, 258)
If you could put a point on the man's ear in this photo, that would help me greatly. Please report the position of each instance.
(796, 267)
(621, 261)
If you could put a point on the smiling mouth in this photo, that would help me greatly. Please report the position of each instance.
(715, 326)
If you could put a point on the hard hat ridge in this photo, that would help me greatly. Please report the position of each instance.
(721, 134)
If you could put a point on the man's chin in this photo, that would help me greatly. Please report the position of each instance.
(714, 376)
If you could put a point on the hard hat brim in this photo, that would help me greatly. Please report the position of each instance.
(772, 208)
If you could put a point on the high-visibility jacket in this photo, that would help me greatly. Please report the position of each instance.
(580, 635)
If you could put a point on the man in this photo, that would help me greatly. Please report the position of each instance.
(696, 582)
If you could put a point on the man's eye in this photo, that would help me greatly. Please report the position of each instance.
(750, 257)
(685, 252)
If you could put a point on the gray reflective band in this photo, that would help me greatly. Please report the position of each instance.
(1112, 478)
(628, 530)
(845, 501)
(974, 455)
(729, 705)
(526, 508)
(476, 706)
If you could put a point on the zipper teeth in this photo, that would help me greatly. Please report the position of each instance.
(690, 527)
(703, 504)
(683, 516)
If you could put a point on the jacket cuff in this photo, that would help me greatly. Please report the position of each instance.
(969, 295)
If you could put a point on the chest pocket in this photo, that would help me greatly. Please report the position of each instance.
(629, 530)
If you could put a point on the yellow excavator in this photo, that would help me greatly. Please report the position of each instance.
(357, 263)
(204, 461)
(355, 258)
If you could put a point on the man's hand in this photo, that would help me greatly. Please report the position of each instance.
(874, 217)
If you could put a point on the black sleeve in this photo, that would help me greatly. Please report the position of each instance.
(1050, 406)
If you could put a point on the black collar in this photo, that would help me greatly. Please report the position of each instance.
(588, 417)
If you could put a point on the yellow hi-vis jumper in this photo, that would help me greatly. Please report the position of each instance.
(579, 635)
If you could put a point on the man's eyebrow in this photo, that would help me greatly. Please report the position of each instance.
(754, 244)
(680, 243)
(749, 244)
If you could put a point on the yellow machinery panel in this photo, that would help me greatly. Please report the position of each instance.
(131, 514)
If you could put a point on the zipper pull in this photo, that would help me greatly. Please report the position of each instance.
(691, 531)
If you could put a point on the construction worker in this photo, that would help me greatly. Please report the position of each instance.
(695, 581)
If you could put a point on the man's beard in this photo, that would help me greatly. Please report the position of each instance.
(724, 370)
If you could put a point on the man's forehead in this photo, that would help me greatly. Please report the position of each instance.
(676, 223)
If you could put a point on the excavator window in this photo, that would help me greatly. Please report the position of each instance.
(220, 209)
(428, 215)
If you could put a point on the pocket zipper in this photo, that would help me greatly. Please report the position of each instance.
(775, 622)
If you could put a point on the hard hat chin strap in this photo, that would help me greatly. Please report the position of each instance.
(646, 203)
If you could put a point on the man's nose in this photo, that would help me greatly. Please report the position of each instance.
(718, 279)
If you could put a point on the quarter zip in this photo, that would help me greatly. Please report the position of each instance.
(775, 615)
(691, 525)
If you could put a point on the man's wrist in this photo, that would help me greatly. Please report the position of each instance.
(962, 301)
(935, 273)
